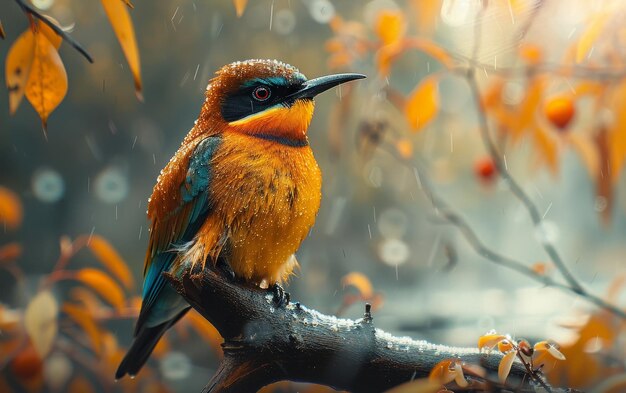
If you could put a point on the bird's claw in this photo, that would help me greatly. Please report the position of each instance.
(281, 298)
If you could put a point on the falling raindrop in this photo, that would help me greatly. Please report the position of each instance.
(322, 11)
(111, 186)
(175, 366)
(284, 22)
(48, 185)
(393, 252)
(392, 223)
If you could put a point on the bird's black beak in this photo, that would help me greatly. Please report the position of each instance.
(319, 85)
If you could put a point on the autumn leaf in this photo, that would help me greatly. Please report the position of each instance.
(110, 258)
(122, 24)
(17, 68)
(103, 285)
(546, 147)
(50, 34)
(427, 14)
(240, 7)
(490, 340)
(40, 321)
(360, 282)
(205, 330)
(504, 368)
(423, 103)
(85, 321)
(590, 36)
(10, 208)
(390, 26)
(587, 151)
(47, 82)
(2, 33)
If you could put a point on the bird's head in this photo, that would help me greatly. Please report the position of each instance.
(264, 97)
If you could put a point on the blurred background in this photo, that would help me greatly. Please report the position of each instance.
(377, 237)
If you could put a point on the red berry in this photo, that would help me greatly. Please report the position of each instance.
(27, 364)
(560, 111)
(485, 169)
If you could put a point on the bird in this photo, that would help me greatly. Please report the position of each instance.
(242, 191)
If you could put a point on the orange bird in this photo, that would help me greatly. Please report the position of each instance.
(242, 191)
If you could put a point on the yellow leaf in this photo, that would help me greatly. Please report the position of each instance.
(10, 208)
(423, 103)
(433, 50)
(47, 83)
(205, 330)
(590, 36)
(387, 55)
(423, 385)
(103, 285)
(547, 148)
(85, 321)
(240, 7)
(427, 14)
(490, 340)
(444, 372)
(360, 282)
(50, 34)
(550, 349)
(118, 15)
(110, 258)
(504, 368)
(17, 68)
(80, 384)
(40, 321)
(390, 26)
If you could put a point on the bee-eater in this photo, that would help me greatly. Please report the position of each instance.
(243, 189)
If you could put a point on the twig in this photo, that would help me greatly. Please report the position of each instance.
(27, 8)
(444, 211)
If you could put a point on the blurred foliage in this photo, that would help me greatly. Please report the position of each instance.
(552, 83)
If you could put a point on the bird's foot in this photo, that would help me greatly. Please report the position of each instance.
(281, 298)
(224, 267)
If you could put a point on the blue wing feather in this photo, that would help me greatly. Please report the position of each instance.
(195, 197)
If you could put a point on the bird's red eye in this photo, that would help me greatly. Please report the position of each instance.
(261, 93)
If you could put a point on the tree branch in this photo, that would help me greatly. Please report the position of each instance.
(28, 9)
(266, 343)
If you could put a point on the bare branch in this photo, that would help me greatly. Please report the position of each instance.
(27, 8)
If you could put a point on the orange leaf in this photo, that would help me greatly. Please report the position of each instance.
(47, 83)
(504, 368)
(10, 252)
(103, 285)
(10, 208)
(490, 340)
(360, 282)
(547, 148)
(110, 258)
(387, 55)
(80, 384)
(85, 321)
(590, 36)
(390, 26)
(423, 103)
(444, 372)
(240, 7)
(205, 330)
(17, 68)
(122, 24)
(432, 49)
(50, 34)
(40, 321)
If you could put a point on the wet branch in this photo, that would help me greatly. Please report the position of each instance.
(29, 10)
(266, 343)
